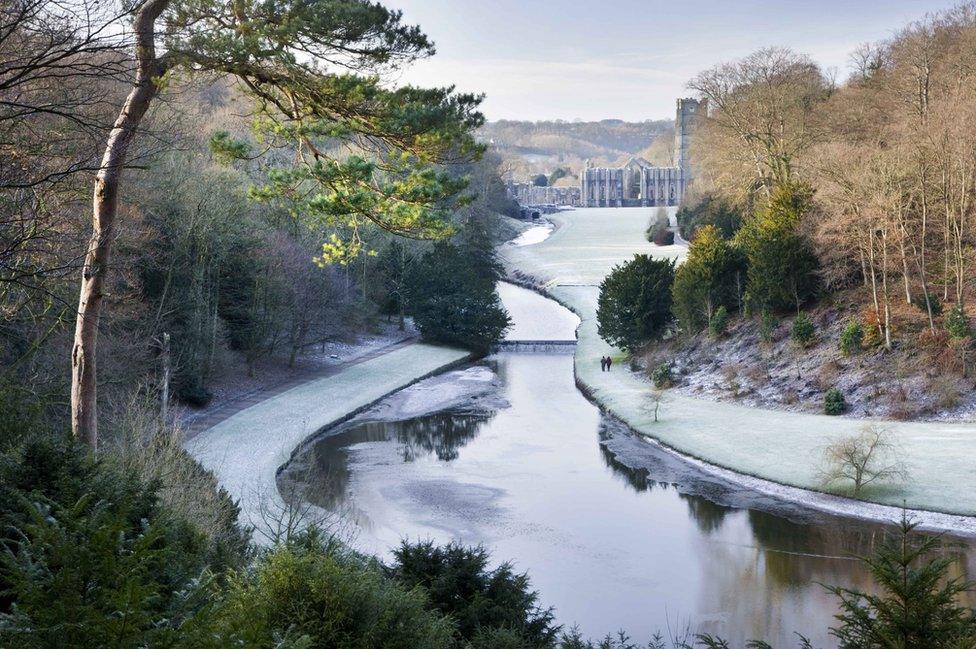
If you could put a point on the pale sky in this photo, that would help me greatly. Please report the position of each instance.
(627, 59)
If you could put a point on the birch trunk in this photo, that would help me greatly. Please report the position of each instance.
(164, 391)
(874, 282)
(884, 286)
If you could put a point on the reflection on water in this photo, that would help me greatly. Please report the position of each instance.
(324, 467)
(614, 532)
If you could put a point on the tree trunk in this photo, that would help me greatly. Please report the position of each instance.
(164, 391)
(903, 231)
(945, 249)
(864, 265)
(922, 263)
(959, 232)
(214, 324)
(874, 282)
(884, 286)
(738, 290)
(297, 342)
(84, 417)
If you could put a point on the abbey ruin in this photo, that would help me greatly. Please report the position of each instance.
(639, 183)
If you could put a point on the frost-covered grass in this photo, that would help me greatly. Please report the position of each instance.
(535, 234)
(587, 244)
(246, 450)
(535, 317)
(783, 447)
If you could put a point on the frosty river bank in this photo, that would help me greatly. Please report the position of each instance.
(779, 451)
(616, 532)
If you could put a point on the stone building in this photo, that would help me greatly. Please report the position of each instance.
(639, 183)
(529, 194)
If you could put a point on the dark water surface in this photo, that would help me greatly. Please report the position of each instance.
(615, 533)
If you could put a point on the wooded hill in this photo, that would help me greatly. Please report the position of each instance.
(861, 195)
(539, 147)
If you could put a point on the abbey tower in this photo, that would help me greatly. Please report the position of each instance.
(686, 116)
(639, 183)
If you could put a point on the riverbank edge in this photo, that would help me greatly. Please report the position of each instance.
(331, 428)
(819, 501)
(195, 422)
(250, 495)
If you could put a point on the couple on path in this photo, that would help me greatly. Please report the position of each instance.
(605, 363)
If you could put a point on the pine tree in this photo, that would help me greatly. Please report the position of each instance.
(918, 605)
(313, 72)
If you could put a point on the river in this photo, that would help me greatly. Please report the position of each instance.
(615, 532)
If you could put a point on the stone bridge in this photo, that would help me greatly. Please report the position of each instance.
(536, 346)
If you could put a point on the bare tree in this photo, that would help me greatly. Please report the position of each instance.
(761, 117)
(55, 56)
(57, 59)
(288, 512)
(897, 177)
(656, 398)
(867, 60)
(311, 297)
(862, 459)
(150, 69)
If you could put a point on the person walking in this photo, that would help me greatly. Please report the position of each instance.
(609, 363)
(603, 363)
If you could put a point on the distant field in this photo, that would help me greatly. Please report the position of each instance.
(587, 244)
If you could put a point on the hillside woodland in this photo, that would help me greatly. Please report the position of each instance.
(196, 188)
(832, 231)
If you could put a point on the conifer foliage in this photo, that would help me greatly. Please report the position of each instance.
(635, 302)
(918, 605)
